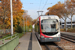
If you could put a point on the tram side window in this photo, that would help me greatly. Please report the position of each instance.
(41, 26)
(42, 21)
(38, 27)
(38, 30)
(38, 23)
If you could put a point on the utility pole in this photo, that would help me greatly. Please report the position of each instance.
(26, 24)
(40, 11)
(24, 14)
(11, 17)
(24, 21)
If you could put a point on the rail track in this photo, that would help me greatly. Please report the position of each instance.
(50, 46)
(45, 46)
(68, 37)
(58, 46)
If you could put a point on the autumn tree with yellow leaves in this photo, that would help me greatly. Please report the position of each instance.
(27, 19)
(70, 5)
(60, 10)
(63, 10)
(5, 12)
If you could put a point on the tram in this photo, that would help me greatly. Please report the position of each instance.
(47, 28)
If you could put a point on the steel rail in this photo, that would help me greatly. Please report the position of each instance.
(68, 37)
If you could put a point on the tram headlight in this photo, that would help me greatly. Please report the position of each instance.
(59, 35)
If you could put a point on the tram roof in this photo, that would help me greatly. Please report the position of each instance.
(51, 16)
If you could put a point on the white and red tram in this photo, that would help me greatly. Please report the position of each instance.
(48, 28)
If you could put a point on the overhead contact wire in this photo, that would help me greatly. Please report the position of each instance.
(40, 4)
(45, 4)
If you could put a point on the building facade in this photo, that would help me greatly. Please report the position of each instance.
(68, 22)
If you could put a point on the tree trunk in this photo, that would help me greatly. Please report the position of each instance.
(3, 24)
(71, 22)
(65, 23)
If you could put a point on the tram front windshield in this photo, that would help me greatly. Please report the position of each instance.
(49, 25)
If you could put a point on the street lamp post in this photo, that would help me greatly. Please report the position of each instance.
(11, 17)
(24, 14)
(24, 20)
(26, 24)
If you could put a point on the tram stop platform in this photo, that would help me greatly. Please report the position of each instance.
(28, 42)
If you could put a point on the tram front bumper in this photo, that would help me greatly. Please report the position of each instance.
(54, 39)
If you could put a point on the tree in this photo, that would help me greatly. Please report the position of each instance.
(19, 29)
(5, 13)
(59, 10)
(34, 21)
(29, 19)
(17, 13)
(70, 5)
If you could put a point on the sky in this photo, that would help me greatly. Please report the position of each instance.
(32, 6)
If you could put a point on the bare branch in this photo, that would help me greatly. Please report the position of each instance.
(69, 18)
(63, 19)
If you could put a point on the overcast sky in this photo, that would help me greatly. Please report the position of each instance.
(32, 6)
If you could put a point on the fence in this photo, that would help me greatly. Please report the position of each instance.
(4, 31)
(9, 43)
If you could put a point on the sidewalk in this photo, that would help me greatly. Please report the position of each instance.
(29, 42)
(35, 43)
(24, 42)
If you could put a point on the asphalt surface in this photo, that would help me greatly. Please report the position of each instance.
(29, 42)
(24, 42)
